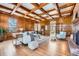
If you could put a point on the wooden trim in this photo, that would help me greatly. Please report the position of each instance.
(69, 11)
(73, 8)
(6, 13)
(37, 5)
(14, 10)
(61, 7)
(31, 12)
(58, 9)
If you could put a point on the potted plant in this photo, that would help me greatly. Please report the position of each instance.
(2, 32)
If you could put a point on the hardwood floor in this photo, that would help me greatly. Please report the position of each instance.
(52, 48)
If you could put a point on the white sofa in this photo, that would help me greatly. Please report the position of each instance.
(33, 45)
(33, 40)
(41, 39)
(61, 35)
(26, 38)
(38, 39)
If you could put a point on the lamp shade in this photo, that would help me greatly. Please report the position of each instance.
(60, 20)
(21, 29)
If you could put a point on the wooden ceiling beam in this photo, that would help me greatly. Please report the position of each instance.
(31, 12)
(73, 9)
(16, 11)
(37, 5)
(61, 7)
(15, 8)
(40, 6)
(58, 9)
(46, 12)
(33, 17)
(1, 6)
(69, 11)
(36, 8)
(3, 12)
(66, 5)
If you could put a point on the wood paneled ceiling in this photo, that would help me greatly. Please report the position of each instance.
(38, 11)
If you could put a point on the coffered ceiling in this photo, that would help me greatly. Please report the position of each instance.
(38, 11)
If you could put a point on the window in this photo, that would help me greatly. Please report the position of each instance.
(37, 27)
(12, 24)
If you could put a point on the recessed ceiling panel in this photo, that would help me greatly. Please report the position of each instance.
(28, 5)
(38, 11)
(18, 14)
(45, 15)
(53, 12)
(65, 14)
(49, 6)
(48, 17)
(37, 17)
(60, 4)
(66, 9)
(5, 10)
(8, 5)
(32, 15)
(21, 10)
(56, 16)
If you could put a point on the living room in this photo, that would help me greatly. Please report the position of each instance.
(38, 29)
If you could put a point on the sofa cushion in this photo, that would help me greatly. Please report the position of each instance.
(33, 45)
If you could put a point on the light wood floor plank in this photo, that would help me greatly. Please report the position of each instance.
(52, 48)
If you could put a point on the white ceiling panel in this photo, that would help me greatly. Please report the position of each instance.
(38, 11)
(45, 15)
(18, 14)
(56, 16)
(32, 15)
(5, 10)
(53, 12)
(66, 9)
(21, 10)
(8, 5)
(49, 6)
(28, 5)
(60, 4)
(65, 14)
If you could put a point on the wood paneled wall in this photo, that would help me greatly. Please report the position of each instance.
(22, 22)
(67, 21)
(43, 24)
(29, 25)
